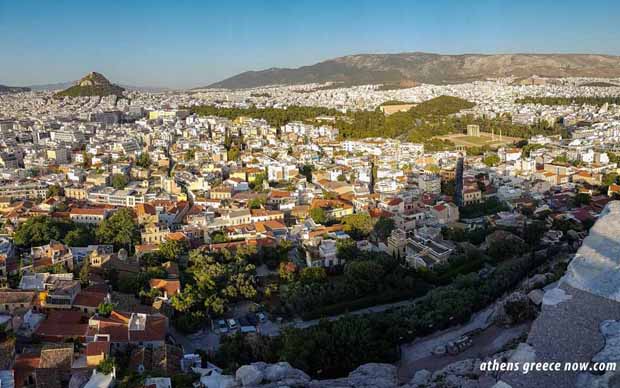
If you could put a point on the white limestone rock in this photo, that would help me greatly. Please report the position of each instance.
(523, 353)
(420, 379)
(249, 375)
(611, 350)
(284, 371)
(374, 375)
(555, 296)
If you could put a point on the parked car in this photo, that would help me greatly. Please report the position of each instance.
(232, 324)
(221, 326)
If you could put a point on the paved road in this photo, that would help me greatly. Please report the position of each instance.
(205, 340)
(489, 342)
(423, 347)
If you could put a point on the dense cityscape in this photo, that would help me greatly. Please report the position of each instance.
(143, 236)
(397, 220)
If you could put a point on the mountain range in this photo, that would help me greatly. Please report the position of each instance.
(419, 67)
(13, 89)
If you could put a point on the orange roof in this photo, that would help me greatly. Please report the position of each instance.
(97, 348)
(279, 194)
(89, 211)
(89, 298)
(176, 236)
(394, 201)
(142, 209)
(62, 324)
(117, 327)
(171, 287)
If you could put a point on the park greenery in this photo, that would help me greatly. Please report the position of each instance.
(214, 280)
(120, 230)
(491, 159)
(40, 230)
(422, 123)
(334, 348)
(366, 280)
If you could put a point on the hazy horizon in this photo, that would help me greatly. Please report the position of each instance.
(189, 44)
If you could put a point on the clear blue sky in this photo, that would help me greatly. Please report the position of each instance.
(193, 43)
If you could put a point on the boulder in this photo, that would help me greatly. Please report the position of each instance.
(536, 296)
(420, 379)
(249, 375)
(374, 375)
(537, 281)
(284, 371)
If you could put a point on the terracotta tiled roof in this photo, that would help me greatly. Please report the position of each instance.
(97, 348)
(171, 287)
(88, 211)
(89, 299)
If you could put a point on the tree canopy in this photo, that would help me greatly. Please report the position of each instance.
(119, 181)
(120, 229)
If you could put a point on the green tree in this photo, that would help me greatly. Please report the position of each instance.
(347, 250)
(81, 236)
(217, 279)
(313, 275)
(318, 215)
(173, 249)
(582, 199)
(218, 237)
(87, 160)
(120, 229)
(54, 191)
(534, 231)
(610, 179)
(190, 154)
(233, 153)
(119, 181)
(363, 274)
(287, 271)
(491, 160)
(144, 160)
(256, 203)
(306, 170)
(383, 228)
(106, 366)
(85, 273)
(105, 309)
(41, 230)
(358, 226)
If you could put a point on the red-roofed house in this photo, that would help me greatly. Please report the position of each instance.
(130, 328)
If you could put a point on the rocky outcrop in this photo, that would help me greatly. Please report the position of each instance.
(578, 322)
(92, 84)
(250, 375)
(282, 374)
